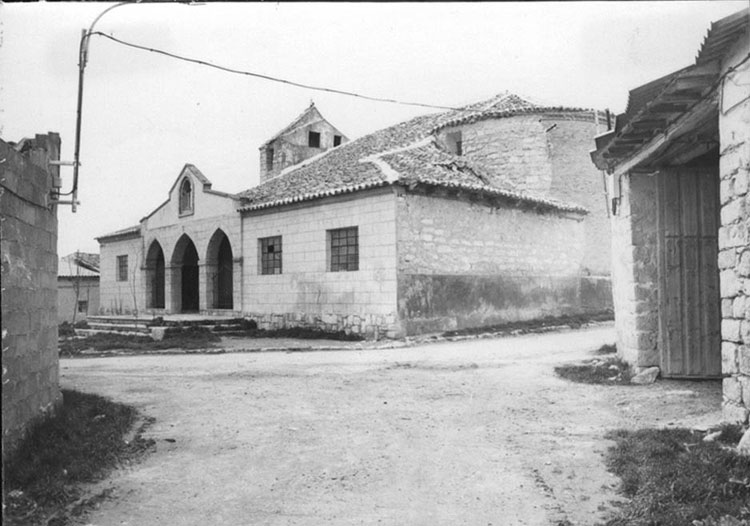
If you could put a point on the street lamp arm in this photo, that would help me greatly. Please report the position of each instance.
(83, 52)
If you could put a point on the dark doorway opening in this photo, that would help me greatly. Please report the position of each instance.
(189, 285)
(220, 270)
(155, 276)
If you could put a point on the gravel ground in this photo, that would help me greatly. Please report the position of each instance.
(473, 432)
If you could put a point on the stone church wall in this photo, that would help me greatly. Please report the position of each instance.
(468, 264)
(306, 293)
(28, 242)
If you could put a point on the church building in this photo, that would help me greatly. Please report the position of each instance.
(486, 214)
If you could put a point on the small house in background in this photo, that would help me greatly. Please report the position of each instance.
(678, 164)
(77, 287)
(486, 214)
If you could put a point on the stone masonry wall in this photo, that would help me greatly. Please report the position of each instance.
(28, 234)
(634, 271)
(306, 293)
(548, 154)
(465, 264)
(734, 237)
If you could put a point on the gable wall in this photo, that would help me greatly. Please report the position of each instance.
(292, 148)
(306, 294)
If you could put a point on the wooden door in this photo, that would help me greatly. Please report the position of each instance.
(689, 299)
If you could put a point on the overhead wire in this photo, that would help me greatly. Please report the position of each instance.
(271, 78)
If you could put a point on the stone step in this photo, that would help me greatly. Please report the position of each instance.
(91, 332)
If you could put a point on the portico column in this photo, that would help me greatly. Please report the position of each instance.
(173, 288)
(204, 278)
(237, 284)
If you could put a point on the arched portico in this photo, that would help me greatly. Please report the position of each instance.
(185, 276)
(219, 272)
(155, 276)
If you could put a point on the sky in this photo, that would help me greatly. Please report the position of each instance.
(145, 116)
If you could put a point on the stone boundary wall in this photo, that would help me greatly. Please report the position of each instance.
(28, 235)
(734, 238)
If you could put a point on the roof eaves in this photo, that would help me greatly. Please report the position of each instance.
(313, 195)
(518, 196)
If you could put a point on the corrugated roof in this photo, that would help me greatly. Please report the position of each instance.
(364, 163)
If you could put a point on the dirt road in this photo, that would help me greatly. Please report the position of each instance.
(478, 432)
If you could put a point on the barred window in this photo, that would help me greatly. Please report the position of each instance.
(83, 306)
(270, 255)
(122, 268)
(343, 249)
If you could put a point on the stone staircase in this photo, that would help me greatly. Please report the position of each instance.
(142, 326)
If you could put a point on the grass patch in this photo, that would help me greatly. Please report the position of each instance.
(174, 337)
(572, 321)
(609, 370)
(82, 443)
(674, 478)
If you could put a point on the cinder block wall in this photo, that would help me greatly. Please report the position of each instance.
(464, 264)
(28, 233)
(734, 238)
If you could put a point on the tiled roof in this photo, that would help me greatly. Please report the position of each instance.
(130, 231)
(401, 154)
(78, 264)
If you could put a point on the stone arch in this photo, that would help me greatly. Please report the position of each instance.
(185, 276)
(219, 272)
(155, 276)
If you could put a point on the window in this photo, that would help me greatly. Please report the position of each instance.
(343, 249)
(313, 139)
(269, 159)
(336, 140)
(83, 306)
(186, 196)
(122, 268)
(270, 255)
(455, 143)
